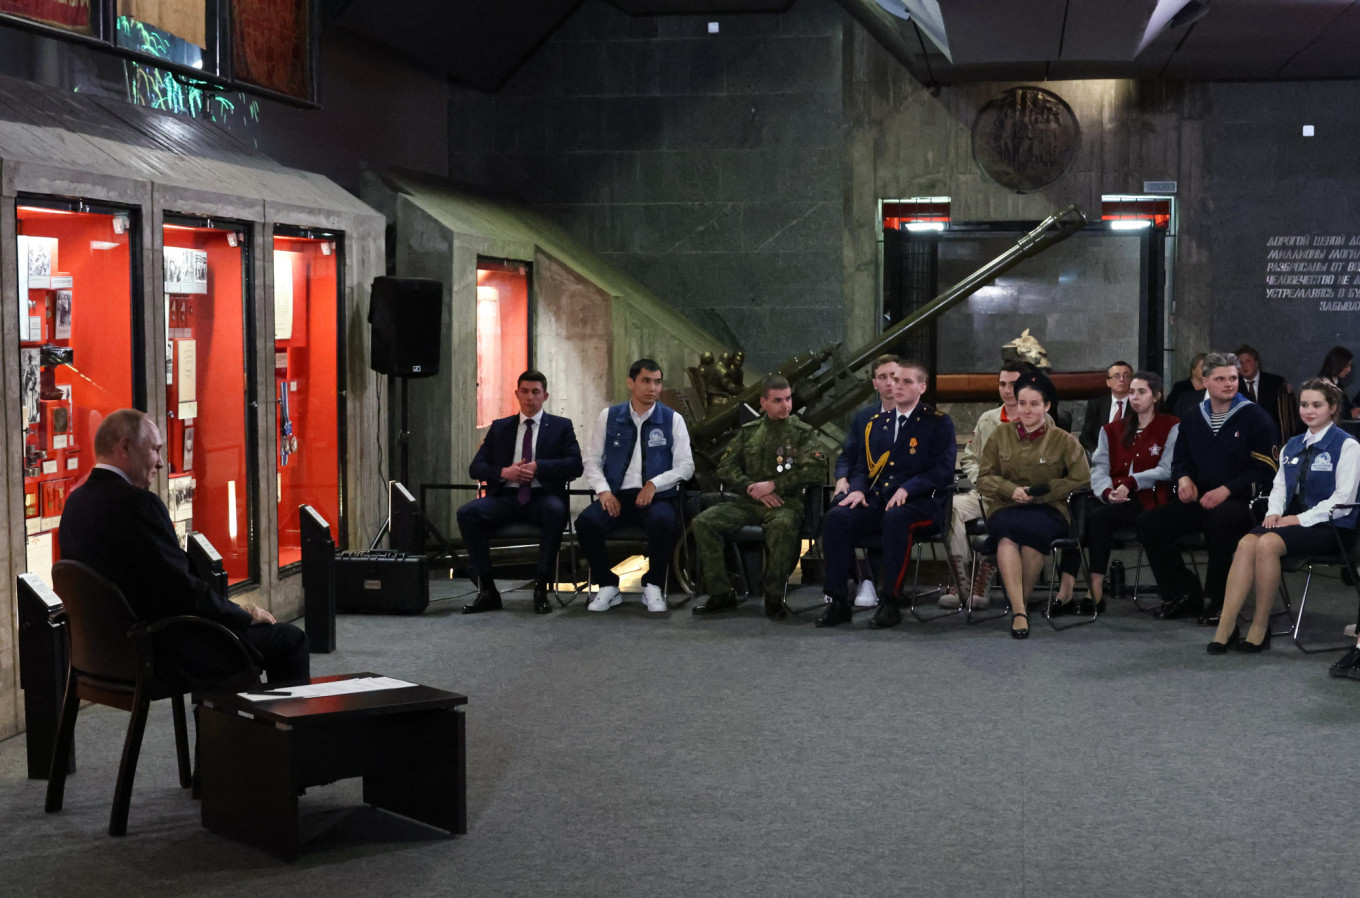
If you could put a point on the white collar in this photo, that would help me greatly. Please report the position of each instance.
(119, 471)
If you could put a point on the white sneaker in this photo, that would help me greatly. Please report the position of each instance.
(652, 597)
(949, 600)
(978, 603)
(606, 598)
(867, 597)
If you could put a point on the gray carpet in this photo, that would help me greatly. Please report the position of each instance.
(635, 755)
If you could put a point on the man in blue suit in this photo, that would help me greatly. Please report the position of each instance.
(910, 453)
(526, 462)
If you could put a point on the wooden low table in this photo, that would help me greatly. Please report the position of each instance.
(256, 756)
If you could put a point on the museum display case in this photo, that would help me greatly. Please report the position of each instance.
(210, 436)
(78, 354)
(502, 335)
(308, 359)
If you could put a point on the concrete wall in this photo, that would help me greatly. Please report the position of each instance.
(737, 175)
(708, 166)
(1271, 182)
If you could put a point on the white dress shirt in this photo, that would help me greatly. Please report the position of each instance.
(1117, 405)
(1347, 477)
(682, 459)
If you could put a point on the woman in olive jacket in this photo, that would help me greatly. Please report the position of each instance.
(1025, 475)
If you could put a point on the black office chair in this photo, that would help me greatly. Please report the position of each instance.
(520, 538)
(1075, 541)
(1345, 557)
(631, 539)
(748, 542)
(1071, 542)
(113, 662)
(934, 535)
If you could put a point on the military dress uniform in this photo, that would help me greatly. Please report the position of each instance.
(917, 454)
(787, 453)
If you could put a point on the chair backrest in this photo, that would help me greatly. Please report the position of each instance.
(98, 619)
(1078, 501)
(814, 506)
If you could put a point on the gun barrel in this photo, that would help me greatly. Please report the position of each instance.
(1068, 222)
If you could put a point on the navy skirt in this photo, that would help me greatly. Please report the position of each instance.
(1032, 526)
(1315, 540)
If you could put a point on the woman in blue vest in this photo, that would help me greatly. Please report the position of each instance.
(1319, 469)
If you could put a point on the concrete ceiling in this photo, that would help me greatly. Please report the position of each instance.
(480, 43)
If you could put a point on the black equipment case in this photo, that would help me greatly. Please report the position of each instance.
(381, 583)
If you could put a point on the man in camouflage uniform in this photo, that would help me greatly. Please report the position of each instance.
(771, 461)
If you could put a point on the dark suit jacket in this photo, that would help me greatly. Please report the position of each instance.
(125, 533)
(1271, 395)
(556, 451)
(854, 439)
(1097, 416)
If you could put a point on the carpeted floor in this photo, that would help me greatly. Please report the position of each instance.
(633, 754)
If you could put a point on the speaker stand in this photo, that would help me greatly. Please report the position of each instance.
(403, 440)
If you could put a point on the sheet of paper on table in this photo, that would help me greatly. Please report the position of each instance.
(334, 687)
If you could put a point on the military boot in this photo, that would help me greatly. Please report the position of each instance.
(719, 602)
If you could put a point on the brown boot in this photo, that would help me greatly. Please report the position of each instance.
(951, 597)
(980, 583)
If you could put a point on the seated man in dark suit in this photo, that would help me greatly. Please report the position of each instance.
(1270, 392)
(116, 525)
(1111, 406)
(526, 462)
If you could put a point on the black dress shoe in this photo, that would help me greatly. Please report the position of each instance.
(1252, 648)
(837, 612)
(1348, 666)
(1061, 608)
(541, 603)
(1186, 606)
(886, 616)
(774, 608)
(716, 603)
(1221, 648)
(488, 599)
(1086, 607)
(1211, 614)
(1020, 634)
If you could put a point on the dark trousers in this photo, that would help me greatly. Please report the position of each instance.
(1223, 527)
(659, 521)
(1101, 522)
(203, 658)
(284, 649)
(843, 529)
(480, 518)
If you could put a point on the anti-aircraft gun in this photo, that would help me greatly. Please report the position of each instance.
(826, 382)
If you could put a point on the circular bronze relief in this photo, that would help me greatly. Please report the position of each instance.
(1025, 138)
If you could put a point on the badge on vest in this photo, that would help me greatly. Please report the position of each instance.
(1322, 462)
(655, 438)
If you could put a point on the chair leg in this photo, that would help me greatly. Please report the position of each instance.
(61, 752)
(916, 593)
(127, 768)
(186, 778)
(1053, 579)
